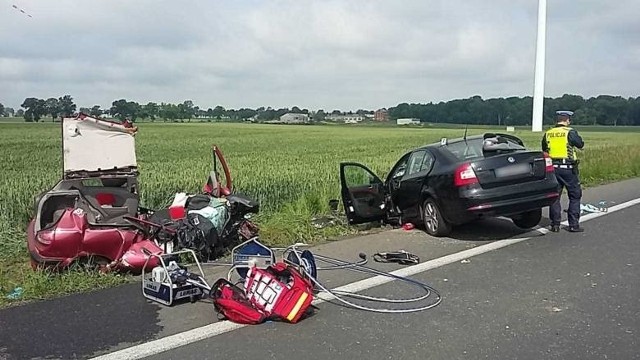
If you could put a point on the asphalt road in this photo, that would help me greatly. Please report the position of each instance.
(559, 296)
(551, 296)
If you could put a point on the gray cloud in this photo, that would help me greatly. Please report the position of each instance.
(314, 54)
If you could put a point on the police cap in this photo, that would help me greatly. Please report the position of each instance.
(564, 113)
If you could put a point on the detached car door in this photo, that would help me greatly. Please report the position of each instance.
(362, 194)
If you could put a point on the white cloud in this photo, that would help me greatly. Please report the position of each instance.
(314, 54)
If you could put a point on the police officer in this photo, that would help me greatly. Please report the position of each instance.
(560, 142)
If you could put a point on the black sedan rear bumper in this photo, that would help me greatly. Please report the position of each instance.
(474, 201)
(512, 206)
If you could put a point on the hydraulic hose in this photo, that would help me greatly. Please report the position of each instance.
(341, 295)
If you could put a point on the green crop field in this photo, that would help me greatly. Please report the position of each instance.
(291, 170)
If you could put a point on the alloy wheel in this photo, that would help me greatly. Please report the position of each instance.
(430, 217)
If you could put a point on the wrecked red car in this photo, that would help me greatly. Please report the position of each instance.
(84, 217)
(93, 214)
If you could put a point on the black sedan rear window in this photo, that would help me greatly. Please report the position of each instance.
(477, 148)
(466, 150)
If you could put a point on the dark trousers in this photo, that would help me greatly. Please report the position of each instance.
(567, 178)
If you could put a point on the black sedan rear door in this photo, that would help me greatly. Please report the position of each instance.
(408, 195)
(362, 194)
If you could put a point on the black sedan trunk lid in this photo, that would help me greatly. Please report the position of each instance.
(511, 168)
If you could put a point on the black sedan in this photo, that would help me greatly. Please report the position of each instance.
(453, 182)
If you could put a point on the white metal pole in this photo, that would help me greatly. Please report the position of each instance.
(538, 87)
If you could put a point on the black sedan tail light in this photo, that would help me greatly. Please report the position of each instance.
(464, 175)
(548, 162)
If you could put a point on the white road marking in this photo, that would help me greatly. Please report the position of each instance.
(184, 338)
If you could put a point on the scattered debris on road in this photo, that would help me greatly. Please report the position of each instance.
(601, 207)
(269, 288)
(401, 257)
(408, 226)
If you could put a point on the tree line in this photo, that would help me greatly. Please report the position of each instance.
(35, 109)
(600, 110)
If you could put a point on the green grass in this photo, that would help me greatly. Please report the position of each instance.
(291, 170)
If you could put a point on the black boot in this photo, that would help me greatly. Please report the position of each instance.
(555, 228)
(575, 228)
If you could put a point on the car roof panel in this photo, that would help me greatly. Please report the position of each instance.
(91, 144)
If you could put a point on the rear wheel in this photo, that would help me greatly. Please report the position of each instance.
(528, 219)
(434, 223)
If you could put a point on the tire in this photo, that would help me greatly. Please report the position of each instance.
(528, 220)
(434, 223)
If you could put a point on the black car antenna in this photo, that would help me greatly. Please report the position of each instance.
(466, 127)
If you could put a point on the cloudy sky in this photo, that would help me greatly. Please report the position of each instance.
(325, 54)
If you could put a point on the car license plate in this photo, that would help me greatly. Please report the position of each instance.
(512, 170)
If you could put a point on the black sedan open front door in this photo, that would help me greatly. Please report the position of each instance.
(362, 194)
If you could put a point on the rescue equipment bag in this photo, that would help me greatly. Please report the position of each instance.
(231, 302)
(279, 291)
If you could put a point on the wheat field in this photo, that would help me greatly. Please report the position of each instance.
(291, 170)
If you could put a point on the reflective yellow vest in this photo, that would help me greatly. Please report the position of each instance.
(558, 143)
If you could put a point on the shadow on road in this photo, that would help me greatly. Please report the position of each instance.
(490, 230)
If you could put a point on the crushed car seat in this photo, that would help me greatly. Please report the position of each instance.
(109, 205)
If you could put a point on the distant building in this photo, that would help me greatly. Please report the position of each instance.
(381, 115)
(353, 118)
(407, 121)
(346, 118)
(292, 118)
